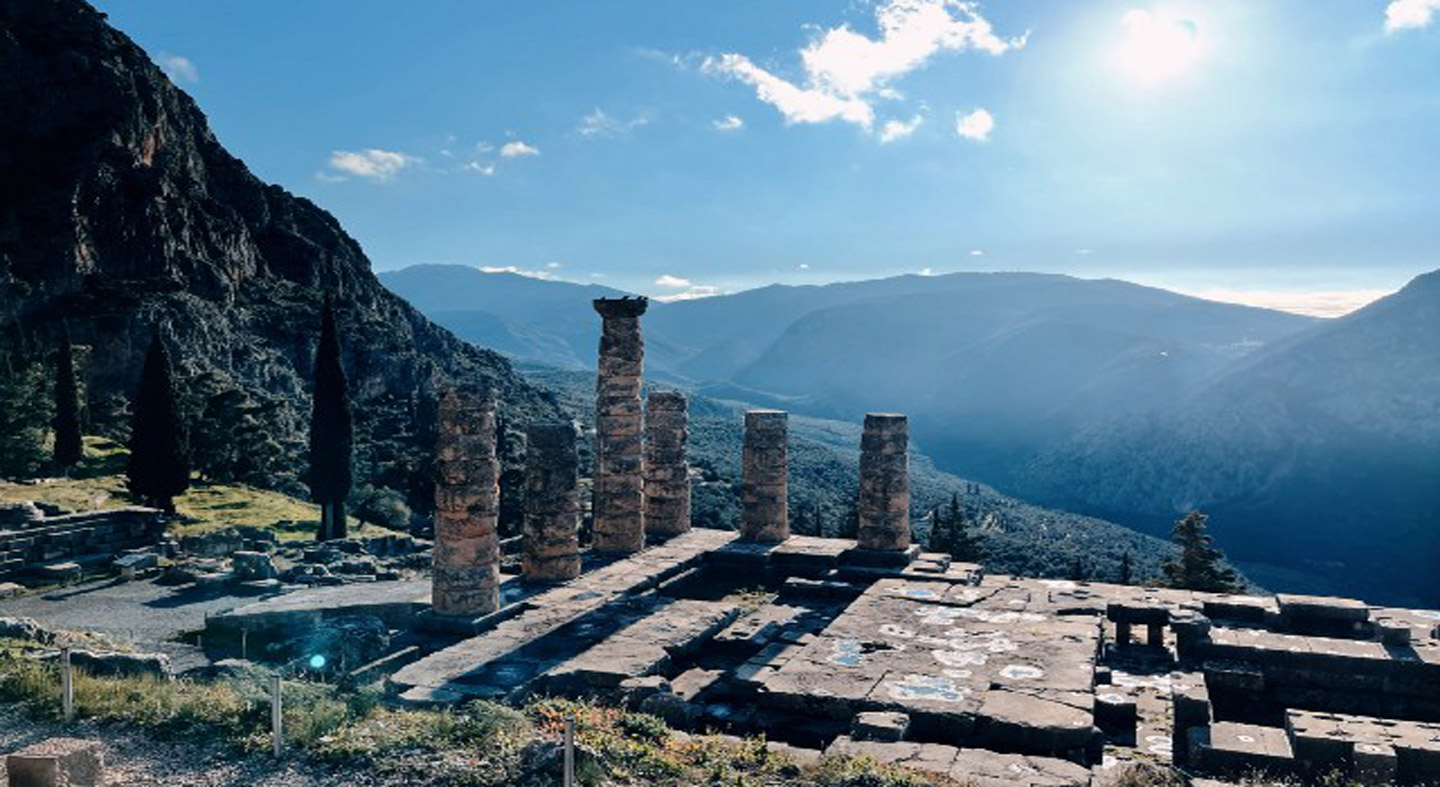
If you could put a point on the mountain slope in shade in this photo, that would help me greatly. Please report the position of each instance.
(121, 212)
(1000, 364)
(1321, 453)
(549, 322)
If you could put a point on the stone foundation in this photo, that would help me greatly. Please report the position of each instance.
(29, 540)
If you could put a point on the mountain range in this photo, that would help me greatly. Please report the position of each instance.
(1314, 443)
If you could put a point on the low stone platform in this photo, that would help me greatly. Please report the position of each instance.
(977, 767)
(462, 669)
(969, 665)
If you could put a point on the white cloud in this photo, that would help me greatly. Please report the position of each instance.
(371, 163)
(804, 266)
(479, 168)
(927, 271)
(977, 125)
(899, 129)
(729, 123)
(977, 252)
(516, 148)
(844, 70)
(672, 282)
(1085, 252)
(601, 124)
(179, 69)
(553, 265)
(1407, 14)
(697, 291)
(515, 269)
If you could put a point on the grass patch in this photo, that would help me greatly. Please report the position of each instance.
(99, 484)
(480, 744)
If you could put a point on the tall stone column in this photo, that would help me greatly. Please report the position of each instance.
(467, 506)
(667, 474)
(765, 486)
(619, 497)
(552, 504)
(884, 504)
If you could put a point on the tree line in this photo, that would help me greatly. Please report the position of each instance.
(230, 438)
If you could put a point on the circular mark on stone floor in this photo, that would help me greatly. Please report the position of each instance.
(1021, 672)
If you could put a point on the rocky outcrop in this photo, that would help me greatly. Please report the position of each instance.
(122, 212)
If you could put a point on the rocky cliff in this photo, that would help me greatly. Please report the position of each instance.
(120, 212)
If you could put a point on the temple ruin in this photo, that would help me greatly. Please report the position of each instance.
(764, 501)
(667, 473)
(870, 646)
(619, 496)
(552, 504)
(884, 507)
(467, 506)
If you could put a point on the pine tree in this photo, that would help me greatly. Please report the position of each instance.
(331, 432)
(1077, 570)
(1199, 566)
(24, 411)
(69, 447)
(1125, 569)
(939, 538)
(159, 466)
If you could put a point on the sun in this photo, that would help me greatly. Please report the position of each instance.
(1158, 47)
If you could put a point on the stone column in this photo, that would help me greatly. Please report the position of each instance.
(667, 474)
(467, 507)
(619, 496)
(765, 486)
(884, 505)
(552, 504)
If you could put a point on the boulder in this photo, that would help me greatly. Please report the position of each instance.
(219, 543)
(254, 565)
(25, 628)
(58, 762)
(128, 665)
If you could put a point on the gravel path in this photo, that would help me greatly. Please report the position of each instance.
(142, 611)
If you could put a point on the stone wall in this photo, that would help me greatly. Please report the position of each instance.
(28, 541)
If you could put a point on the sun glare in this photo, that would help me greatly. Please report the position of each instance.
(1157, 47)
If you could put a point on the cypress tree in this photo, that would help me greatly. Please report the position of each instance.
(1199, 565)
(159, 466)
(69, 448)
(1125, 569)
(331, 432)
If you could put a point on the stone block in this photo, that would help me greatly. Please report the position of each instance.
(1375, 764)
(882, 726)
(1115, 712)
(58, 762)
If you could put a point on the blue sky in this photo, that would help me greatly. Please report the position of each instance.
(1280, 151)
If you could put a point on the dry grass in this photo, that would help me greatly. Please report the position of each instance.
(99, 484)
